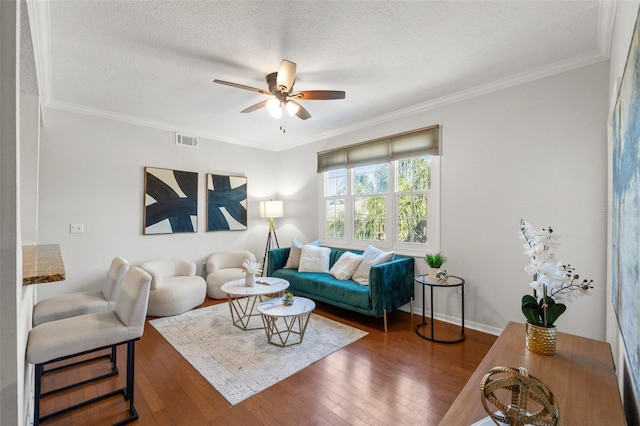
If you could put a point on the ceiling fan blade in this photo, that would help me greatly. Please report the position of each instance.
(286, 76)
(241, 86)
(302, 112)
(254, 107)
(318, 95)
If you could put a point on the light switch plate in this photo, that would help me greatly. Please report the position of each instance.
(76, 228)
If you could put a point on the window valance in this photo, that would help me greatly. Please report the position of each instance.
(425, 141)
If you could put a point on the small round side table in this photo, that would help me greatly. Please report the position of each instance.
(452, 281)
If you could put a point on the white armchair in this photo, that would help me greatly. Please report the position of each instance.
(223, 267)
(175, 287)
(74, 304)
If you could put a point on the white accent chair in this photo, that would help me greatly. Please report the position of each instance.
(223, 267)
(74, 304)
(175, 287)
(67, 338)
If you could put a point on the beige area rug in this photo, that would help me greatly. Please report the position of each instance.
(240, 363)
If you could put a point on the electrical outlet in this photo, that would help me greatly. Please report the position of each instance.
(76, 228)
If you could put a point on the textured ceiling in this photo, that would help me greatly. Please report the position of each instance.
(153, 62)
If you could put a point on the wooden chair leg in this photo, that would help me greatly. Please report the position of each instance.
(385, 320)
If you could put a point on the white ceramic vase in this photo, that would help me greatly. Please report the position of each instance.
(433, 272)
(249, 280)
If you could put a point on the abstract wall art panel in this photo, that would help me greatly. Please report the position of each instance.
(626, 209)
(170, 201)
(226, 203)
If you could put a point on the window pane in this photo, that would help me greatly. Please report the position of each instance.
(335, 218)
(412, 218)
(356, 202)
(371, 179)
(335, 183)
(413, 174)
(369, 218)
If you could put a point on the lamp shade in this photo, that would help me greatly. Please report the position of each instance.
(271, 208)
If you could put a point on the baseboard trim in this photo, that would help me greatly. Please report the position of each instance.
(496, 331)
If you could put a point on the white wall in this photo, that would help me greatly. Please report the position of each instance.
(16, 301)
(535, 151)
(9, 412)
(28, 188)
(29, 156)
(92, 173)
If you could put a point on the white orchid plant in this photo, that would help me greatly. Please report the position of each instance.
(252, 267)
(555, 284)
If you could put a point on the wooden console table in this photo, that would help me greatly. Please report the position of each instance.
(580, 375)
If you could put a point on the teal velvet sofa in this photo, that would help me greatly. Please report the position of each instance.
(391, 284)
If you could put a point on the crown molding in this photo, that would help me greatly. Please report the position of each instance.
(40, 27)
(158, 125)
(606, 18)
(526, 77)
(537, 74)
(41, 41)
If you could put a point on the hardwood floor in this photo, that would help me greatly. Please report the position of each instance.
(381, 379)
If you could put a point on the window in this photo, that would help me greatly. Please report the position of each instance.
(391, 204)
(383, 191)
(413, 181)
(335, 191)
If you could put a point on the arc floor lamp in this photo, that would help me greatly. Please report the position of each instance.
(271, 209)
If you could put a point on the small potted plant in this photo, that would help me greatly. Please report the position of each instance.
(287, 298)
(435, 262)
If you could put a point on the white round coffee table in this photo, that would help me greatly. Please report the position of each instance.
(242, 299)
(281, 321)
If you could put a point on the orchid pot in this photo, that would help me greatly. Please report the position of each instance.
(555, 285)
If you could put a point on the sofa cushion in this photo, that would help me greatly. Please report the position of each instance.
(314, 259)
(293, 261)
(371, 256)
(346, 265)
(323, 286)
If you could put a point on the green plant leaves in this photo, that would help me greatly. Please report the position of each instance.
(533, 310)
(435, 260)
(554, 310)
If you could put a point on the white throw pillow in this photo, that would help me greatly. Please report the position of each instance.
(293, 261)
(371, 256)
(344, 268)
(314, 259)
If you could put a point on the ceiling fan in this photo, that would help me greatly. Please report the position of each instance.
(280, 85)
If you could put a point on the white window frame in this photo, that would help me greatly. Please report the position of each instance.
(409, 249)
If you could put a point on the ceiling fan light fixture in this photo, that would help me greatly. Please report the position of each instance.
(282, 96)
(276, 113)
(274, 107)
(292, 108)
(273, 104)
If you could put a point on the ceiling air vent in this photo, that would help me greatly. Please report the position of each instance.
(185, 140)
